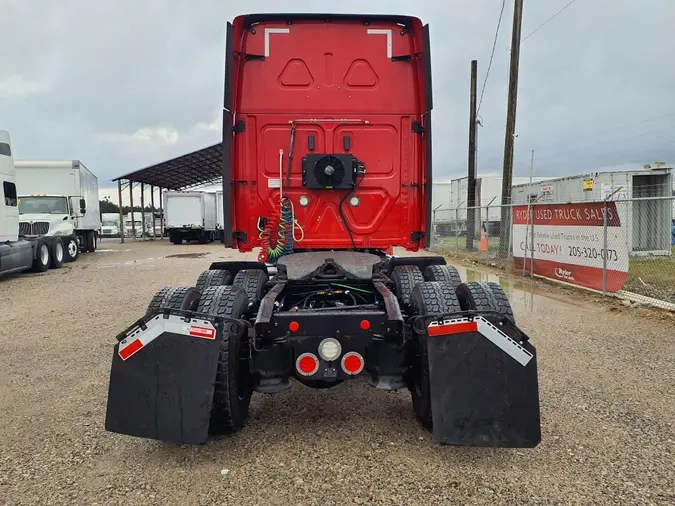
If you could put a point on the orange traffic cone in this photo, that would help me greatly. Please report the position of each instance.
(483, 239)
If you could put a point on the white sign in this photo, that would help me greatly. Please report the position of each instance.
(274, 183)
(546, 192)
(568, 243)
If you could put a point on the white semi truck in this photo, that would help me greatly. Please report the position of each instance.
(190, 216)
(18, 252)
(59, 198)
(110, 224)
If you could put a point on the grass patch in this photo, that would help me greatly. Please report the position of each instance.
(652, 276)
(454, 243)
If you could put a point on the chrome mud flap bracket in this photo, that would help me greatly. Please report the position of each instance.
(483, 381)
(162, 375)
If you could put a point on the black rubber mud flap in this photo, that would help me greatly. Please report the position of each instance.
(164, 388)
(482, 393)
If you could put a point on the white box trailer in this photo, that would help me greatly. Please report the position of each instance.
(54, 192)
(649, 222)
(190, 216)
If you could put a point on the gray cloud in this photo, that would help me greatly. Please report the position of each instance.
(121, 84)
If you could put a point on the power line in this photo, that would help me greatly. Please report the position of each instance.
(610, 141)
(582, 156)
(546, 147)
(614, 129)
(522, 169)
(547, 21)
(492, 54)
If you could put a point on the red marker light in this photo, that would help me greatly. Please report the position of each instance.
(307, 364)
(365, 324)
(352, 363)
(293, 326)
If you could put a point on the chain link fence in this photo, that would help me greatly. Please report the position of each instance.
(624, 246)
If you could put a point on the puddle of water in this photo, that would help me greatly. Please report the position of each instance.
(523, 297)
(187, 255)
(129, 263)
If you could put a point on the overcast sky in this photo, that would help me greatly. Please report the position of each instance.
(125, 84)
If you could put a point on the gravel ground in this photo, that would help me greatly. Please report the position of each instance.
(607, 386)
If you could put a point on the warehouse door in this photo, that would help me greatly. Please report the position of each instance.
(651, 218)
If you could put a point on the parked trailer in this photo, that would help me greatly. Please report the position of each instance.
(18, 253)
(333, 181)
(190, 216)
(648, 222)
(59, 198)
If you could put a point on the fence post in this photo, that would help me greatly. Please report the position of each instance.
(604, 249)
(532, 245)
(487, 227)
(457, 229)
(509, 224)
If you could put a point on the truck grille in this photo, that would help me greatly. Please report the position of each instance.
(27, 228)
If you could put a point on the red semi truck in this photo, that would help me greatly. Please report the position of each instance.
(327, 167)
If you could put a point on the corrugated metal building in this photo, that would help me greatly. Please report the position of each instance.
(450, 198)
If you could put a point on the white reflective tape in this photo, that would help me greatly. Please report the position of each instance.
(388, 33)
(175, 324)
(503, 342)
(489, 331)
(268, 31)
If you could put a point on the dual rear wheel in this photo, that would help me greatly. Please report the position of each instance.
(218, 294)
(438, 291)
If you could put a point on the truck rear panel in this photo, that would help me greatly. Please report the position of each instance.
(350, 85)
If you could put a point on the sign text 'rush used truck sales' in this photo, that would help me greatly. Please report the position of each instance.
(568, 243)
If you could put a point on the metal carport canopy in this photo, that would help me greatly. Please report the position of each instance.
(192, 169)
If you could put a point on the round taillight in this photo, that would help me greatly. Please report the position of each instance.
(307, 364)
(352, 363)
(330, 349)
(365, 324)
(293, 326)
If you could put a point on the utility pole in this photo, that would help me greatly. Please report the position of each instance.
(507, 178)
(471, 196)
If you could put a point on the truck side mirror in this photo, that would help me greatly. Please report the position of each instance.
(83, 206)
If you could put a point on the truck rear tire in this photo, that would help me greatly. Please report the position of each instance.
(185, 298)
(253, 282)
(233, 386)
(484, 297)
(91, 241)
(429, 297)
(213, 277)
(175, 238)
(42, 256)
(57, 253)
(405, 277)
(444, 273)
(71, 249)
